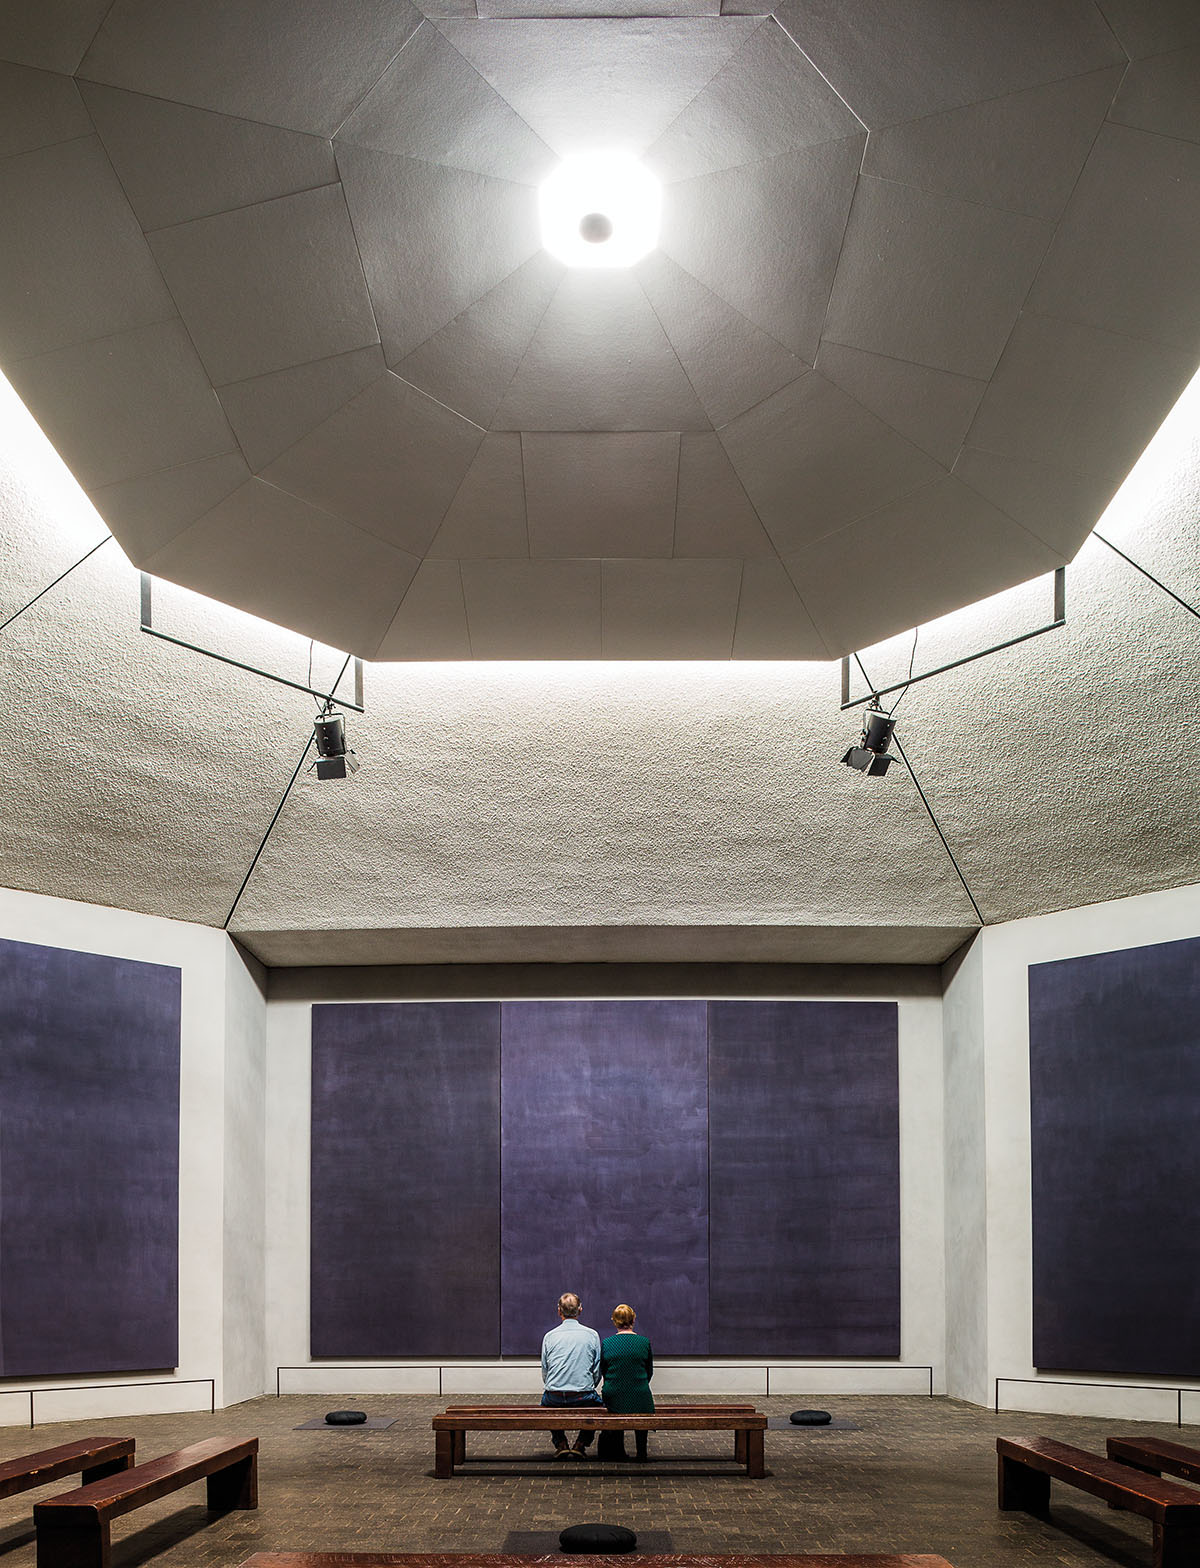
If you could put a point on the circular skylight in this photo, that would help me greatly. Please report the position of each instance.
(600, 210)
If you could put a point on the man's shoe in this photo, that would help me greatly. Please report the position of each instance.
(562, 1451)
(579, 1449)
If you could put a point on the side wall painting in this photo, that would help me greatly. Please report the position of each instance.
(89, 1163)
(1114, 1059)
(805, 1179)
(731, 1169)
(405, 1242)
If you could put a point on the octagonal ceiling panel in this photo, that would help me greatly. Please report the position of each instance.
(37, 109)
(298, 63)
(296, 282)
(471, 362)
(897, 60)
(596, 83)
(487, 517)
(176, 163)
(431, 103)
(390, 462)
(600, 360)
(768, 100)
(781, 281)
(731, 363)
(433, 240)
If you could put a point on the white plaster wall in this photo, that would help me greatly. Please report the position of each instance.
(289, 1058)
(965, 1178)
(1008, 951)
(245, 1180)
(199, 954)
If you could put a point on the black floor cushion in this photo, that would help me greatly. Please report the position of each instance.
(346, 1417)
(810, 1418)
(597, 1538)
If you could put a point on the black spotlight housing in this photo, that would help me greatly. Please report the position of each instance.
(871, 755)
(334, 761)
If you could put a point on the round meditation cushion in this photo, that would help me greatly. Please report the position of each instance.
(810, 1418)
(346, 1417)
(597, 1538)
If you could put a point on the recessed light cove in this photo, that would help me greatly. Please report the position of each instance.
(600, 210)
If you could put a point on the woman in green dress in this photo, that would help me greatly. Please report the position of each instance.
(627, 1365)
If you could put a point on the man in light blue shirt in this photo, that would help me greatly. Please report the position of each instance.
(570, 1371)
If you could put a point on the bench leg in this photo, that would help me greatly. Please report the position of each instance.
(84, 1543)
(234, 1487)
(1176, 1545)
(1023, 1488)
(113, 1467)
(739, 1445)
(755, 1465)
(444, 1446)
(460, 1447)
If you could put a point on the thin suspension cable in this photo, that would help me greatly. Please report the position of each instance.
(267, 834)
(278, 809)
(56, 582)
(928, 807)
(1190, 608)
(912, 659)
(940, 834)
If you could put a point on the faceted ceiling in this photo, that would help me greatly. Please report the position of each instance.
(272, 283)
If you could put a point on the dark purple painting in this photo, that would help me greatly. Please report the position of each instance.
(89, 1163)
(1114, 1070)
(405, 1179)
(605, 1168)
(804, 1179)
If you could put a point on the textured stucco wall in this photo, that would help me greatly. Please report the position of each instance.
(546, 799)
(964, 1165)
(245, 1177)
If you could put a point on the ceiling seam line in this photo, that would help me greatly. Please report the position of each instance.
(850, 109)
(90, 45)
(358, 102)
(1017, 92)
(366, 282)
(242, 206)
(1055, 229)
(837, 265)
(708, 81)
(62, 141)
(467, 309)
(170, 292)
(196, 108)
(674, 353)
(491, 86)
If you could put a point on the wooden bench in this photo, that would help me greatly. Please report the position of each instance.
(451, 1428)
(95, 1457)
(1027, 1466)
(739, 1438)
(73, 1528)
(1156, 1454)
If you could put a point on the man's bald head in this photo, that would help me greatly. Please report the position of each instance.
(569, 1304)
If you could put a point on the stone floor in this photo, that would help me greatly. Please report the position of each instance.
(918, 1475)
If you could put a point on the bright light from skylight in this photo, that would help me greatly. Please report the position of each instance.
(600, 210)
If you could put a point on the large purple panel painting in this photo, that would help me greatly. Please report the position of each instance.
(804, 1179)
(89, 1163)
(605, 1168)
(405, 1179)
(1114, 1066)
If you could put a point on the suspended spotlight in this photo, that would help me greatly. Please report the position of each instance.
(334, 761)
(871, 754)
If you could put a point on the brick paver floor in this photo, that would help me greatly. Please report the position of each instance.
(918, 1475)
